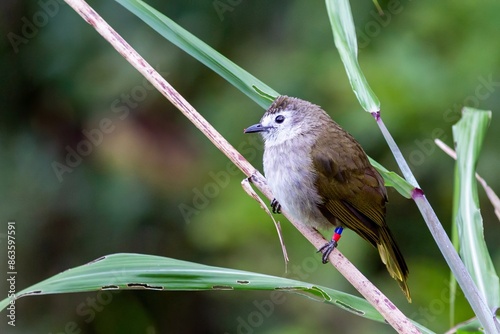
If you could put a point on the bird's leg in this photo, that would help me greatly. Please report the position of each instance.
(329, 247)
(275, 205)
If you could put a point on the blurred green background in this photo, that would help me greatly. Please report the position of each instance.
(63, 85)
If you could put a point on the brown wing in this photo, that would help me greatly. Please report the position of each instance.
(354, 194)
(352, 190)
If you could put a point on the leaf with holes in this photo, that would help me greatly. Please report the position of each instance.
(148, 272)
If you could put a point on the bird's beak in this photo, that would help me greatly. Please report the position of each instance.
(256, 128)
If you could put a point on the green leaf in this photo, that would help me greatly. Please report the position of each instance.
(137, 271)
(344, 34)
(456, 243)
(258, 91)
(392, 179)
(468, 134)
(149, 272)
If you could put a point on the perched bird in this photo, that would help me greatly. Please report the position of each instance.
(321, 176)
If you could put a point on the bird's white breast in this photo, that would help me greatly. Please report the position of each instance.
(289, 171)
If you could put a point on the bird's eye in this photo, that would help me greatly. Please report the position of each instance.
(279, 119)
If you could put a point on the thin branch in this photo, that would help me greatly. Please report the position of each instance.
(251, 192)
(495, 201)
(388, 310)
(471, 323)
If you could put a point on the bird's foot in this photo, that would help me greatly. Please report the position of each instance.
(276, 206)
(326, 250)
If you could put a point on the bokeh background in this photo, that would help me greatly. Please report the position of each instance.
(130, 191)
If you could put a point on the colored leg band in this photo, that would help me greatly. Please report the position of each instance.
(337, 234)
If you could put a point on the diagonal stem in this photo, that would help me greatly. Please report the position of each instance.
(471, 292)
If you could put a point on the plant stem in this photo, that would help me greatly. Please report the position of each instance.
(403, 165)
(388, 310)
(471, 292)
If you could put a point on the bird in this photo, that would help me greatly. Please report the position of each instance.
(322, 177)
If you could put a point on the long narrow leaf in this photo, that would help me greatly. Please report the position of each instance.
(149, 272)
(392, 179)
(456, 242)
(468, 135)
(258, 91)
(139, 271)
(344, 34)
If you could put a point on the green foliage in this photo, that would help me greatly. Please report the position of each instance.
(469, 134)
(238, 77)
(138, 271)
(339, 12)
(392, 179)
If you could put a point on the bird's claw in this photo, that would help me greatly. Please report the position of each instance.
(276, 206)
(326, 250)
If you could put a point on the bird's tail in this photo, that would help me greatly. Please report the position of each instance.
(393, 260)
